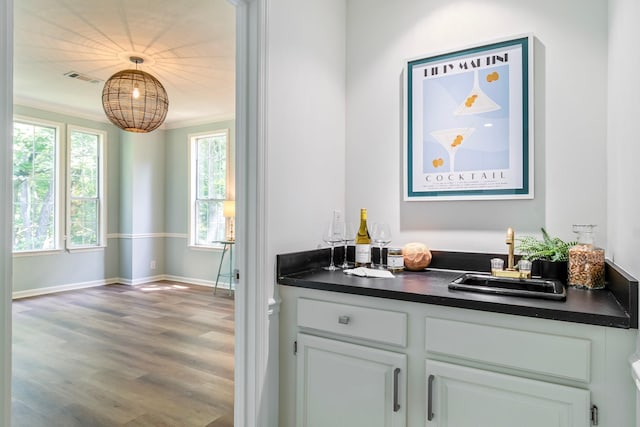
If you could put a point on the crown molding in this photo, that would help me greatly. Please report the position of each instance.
(59, 109)
(178, 124)
(101, 118)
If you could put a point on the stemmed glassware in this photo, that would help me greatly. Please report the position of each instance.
(381, 235)
(333, 233)
(349, 236)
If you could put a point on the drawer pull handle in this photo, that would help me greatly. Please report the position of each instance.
(430, 398)
(344, 320)
(396, 403)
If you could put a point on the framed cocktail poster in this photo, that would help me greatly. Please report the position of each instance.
(469, 123)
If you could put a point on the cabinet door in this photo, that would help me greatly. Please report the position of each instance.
(465, 397)
(346, 385)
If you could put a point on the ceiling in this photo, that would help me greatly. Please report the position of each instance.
(189, 45)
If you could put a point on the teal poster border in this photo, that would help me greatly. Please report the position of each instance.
(525, 42)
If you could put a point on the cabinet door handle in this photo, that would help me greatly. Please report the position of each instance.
(430, 398)
(344, 320)
(396, 403)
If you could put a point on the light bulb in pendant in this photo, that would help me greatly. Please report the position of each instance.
(136, 92)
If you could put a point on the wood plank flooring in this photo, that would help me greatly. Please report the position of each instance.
(159, 354)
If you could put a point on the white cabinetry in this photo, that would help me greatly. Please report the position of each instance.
(458, 396)
(347, 385)
(487, 369)
(341, 383)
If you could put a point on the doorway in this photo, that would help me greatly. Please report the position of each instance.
(250, 311)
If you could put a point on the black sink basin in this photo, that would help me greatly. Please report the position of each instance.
(531, 288)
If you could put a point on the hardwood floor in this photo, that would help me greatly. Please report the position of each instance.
(159, 354)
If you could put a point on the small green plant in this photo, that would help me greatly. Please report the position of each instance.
(549, 248)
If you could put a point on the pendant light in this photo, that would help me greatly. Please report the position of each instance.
(134, 100)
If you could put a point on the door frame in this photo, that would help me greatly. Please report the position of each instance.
(254, 393)
(6, 165)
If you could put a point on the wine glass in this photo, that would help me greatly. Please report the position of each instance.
(348, 237)
(333, 233)
(381, 235)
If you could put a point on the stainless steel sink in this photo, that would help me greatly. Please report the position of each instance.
(531, 288)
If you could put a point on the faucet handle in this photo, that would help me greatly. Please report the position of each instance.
(510, 236)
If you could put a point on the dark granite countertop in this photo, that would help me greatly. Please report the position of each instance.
(616, 306)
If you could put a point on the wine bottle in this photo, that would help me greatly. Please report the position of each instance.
(363, 242)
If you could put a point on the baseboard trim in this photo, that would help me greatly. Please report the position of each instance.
(140, 280)
(62, 288)
(194, 281)
(147, 235)
(117, 280)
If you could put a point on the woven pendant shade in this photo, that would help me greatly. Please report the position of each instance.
(142, 114)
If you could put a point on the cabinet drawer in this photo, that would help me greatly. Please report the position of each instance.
(389, 327)
(554, 355)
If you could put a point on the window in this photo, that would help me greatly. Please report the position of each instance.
(36, 177)
(85, 181)
(209, 172)
(41, 208)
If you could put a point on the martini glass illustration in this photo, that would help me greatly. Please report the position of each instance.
(451, 139)
(477, 101)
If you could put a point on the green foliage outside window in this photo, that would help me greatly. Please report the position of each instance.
(34, 187)
(211, 188)
(84, 188)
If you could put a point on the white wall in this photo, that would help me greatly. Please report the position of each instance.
(305, 134)
(623, 150)
(306, 120)
(623, 147)
(570, 122)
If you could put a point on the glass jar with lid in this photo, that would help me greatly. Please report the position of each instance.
(395, 260)
(586, 261)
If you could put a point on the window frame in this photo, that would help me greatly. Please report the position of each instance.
(192, 139)
(59, 166)
(102, 187)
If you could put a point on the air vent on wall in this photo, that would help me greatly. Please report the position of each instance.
(83, 77)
